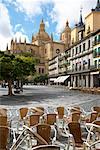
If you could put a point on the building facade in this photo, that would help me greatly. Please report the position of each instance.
(85, 45)
(43, 47)
(81, 59)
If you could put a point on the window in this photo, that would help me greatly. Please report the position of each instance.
(95, 39)
(99, 63)
(72, 52)
(76, 67)
(42, 70)
(88, 63)
(73, 67)
(95, 63)
(80, 48)
(99, 51)
(76, 50)
(83, 46)
(39, 70)
(80, 66)
(94, 53)
(98, 38)
(45, 51)
(88, 44)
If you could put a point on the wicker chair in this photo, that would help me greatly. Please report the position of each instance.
(3, 121)
(3, 112)
(93, 117)
(76, 116)
(46, 147)
(38, 110)
(23, 112)
(75, 130)
(3, 137)
(34, 119)
(60, 112)
(44, 130)
(51, 119)
(97, 109)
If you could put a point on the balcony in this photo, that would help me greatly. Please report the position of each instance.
(96, 42)
(83, 70)
(83, 53)
(93, 67)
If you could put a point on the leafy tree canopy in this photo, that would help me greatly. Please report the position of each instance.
(14, 67)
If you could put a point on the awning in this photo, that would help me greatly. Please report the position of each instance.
(61, 79)
(52, 79)
(96, 72)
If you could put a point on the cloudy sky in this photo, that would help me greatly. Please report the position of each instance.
(21, 18)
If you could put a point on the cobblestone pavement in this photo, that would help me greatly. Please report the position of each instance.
(48, 96)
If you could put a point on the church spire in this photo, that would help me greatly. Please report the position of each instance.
(7, 47)
(51, 37)
(81, 19)
(42, 26)
(97, 8)
(67, 23)
(98, 5)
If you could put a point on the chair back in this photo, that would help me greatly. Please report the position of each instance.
(46, 147)
(3, 112)
(38, 110)
(3, 137)
(97, 122)
(75, 130)
(97, 109)
(23, 112)
(51, 119)
(76, 116)
(3, 121)
(34, 119)
(75, 109)
(60, 111)
(44, 130)
(93, 116)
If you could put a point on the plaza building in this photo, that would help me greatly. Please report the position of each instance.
(84, 60)
(58, 64)
(81, 59)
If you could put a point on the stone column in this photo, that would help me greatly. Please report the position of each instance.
(87, 77)
(91, 80)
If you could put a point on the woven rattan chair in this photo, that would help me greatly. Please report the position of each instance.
(3, 121)
(76, 116)
(23, 112)
(3, 112)
(3, 137)
(44, 130)
(60, 112)
(97, 109)
(38, 110)
(51, 119)
(75, 130)
(93, 117)
(34, 119)
(46, 147)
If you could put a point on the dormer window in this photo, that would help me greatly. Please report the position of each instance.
(88, 30)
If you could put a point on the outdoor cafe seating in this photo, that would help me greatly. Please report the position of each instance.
(36, 128)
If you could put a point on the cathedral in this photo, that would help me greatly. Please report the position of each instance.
(43, 46)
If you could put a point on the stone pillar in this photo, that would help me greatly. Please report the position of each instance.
(91, 80)
(81, 80)
(87, 77)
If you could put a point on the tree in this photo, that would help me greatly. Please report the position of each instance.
(15, 67)
(41, 78)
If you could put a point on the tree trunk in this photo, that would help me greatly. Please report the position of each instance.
(10, 88)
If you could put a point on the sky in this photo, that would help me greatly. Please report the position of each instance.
(21, 18)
